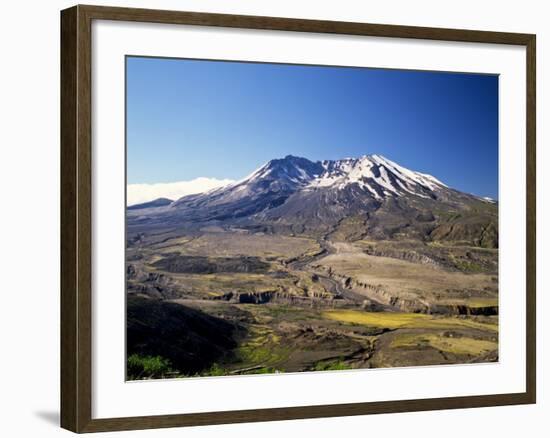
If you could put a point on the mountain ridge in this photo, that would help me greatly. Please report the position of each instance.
(294, 194)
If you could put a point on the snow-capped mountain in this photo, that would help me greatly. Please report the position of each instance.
(302, 195)
(273, 182)
(377, 175)
(373, 176)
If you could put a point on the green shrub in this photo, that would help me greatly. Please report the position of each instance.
(147, 367)
(331, 366)
(267, 370)
(215, 370)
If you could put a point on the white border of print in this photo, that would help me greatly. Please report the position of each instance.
(113, 397)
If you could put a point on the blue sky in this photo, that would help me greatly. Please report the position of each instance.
(218, 119)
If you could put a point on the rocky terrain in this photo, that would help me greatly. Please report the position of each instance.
(312, 266)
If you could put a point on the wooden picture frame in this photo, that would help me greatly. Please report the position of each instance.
(76, 217)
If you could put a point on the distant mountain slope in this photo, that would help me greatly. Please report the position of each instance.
(266, 188)
(351, 198)
(160, 202)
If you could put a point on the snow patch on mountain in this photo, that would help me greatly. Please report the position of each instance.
(371, 170)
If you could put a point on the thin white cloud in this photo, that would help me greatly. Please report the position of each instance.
(139, 193)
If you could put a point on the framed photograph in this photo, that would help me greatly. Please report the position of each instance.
(270, 218)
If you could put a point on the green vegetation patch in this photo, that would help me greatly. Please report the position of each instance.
(214, 370)
(454, 345)
(262, 348)
(264, 370)
(482, 302)
(395, 320)
(334, 365)
(474, 303)
(468, 266)
(147, 367)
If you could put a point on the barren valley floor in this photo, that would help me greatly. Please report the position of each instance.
(226, 301)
